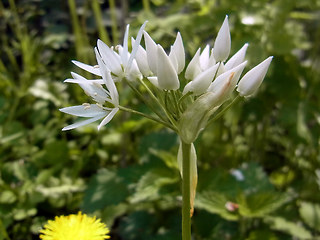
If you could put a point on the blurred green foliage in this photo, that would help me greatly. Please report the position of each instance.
(127, 173)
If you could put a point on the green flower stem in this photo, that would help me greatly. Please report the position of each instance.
(159, 103)
(145, 101)
(175, 102)
(235, 100)
(149, 117)
(186, 217)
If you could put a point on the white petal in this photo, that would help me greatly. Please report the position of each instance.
(167, 75)
(221, 79)
(142, 61)
(109, 58)
(108, 118)
(222, 45)
(252, 80)
(83, 83)
(226, 82)
(237, 58)
(90, 110)
(70, 80)
(201, 83)
(193, 68)
(212, 60)
(178, 51)
(204, 58)
(82, 123)
(136, 45)
(108, 81)
(173, 60)
(154, 81)
(221, 69)
(151, 49)
(87, 67)
(134, 72)
(125, 54)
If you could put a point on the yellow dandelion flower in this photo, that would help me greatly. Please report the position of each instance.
(75, 227)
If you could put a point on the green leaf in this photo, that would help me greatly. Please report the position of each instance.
(310, 213)
(214, 202)
(152, 182)
(169, 159)
(292, 228)
(262, 235)
(138, 225)
(23, 212)
(255, 179)
(7, 197)
(260, 204)
(105, 188)
(110, 213)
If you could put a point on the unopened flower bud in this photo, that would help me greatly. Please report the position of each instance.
(251, 81)
(195, 117)
(193, 68)
(237, 58)
(201, 83)
(151, 49)
(222, 45)
(177, 51)
(167, 75)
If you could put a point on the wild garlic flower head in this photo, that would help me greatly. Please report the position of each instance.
(75, 226)
(112, 67)
(186, 94)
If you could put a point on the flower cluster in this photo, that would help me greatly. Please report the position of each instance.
(198, 89)
(185, 96)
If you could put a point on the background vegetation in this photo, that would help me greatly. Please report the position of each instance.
(127, 174)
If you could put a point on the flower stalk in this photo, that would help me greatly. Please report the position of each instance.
(211, 79)
(186, 206)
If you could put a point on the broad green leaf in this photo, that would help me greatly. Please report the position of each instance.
(137, 225)
(7, 197)
(262, 235)
(215, 202)
(111, 212)
(310, 213)
(152, 182)
(168, 158)
(292, 228)
(24, 212)
(260, 204)
(105, 188)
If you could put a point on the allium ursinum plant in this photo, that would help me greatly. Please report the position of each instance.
(185, 97)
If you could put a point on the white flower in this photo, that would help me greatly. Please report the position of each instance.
(237, 58)
(165, 68)
(201, 83)
(222, 45)
(120, 63)
(99, 94)
(177, 54)
(142, 60)
(233, 75)
(194, 67)
(151, 49)
(166, 73)
(251, 81)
